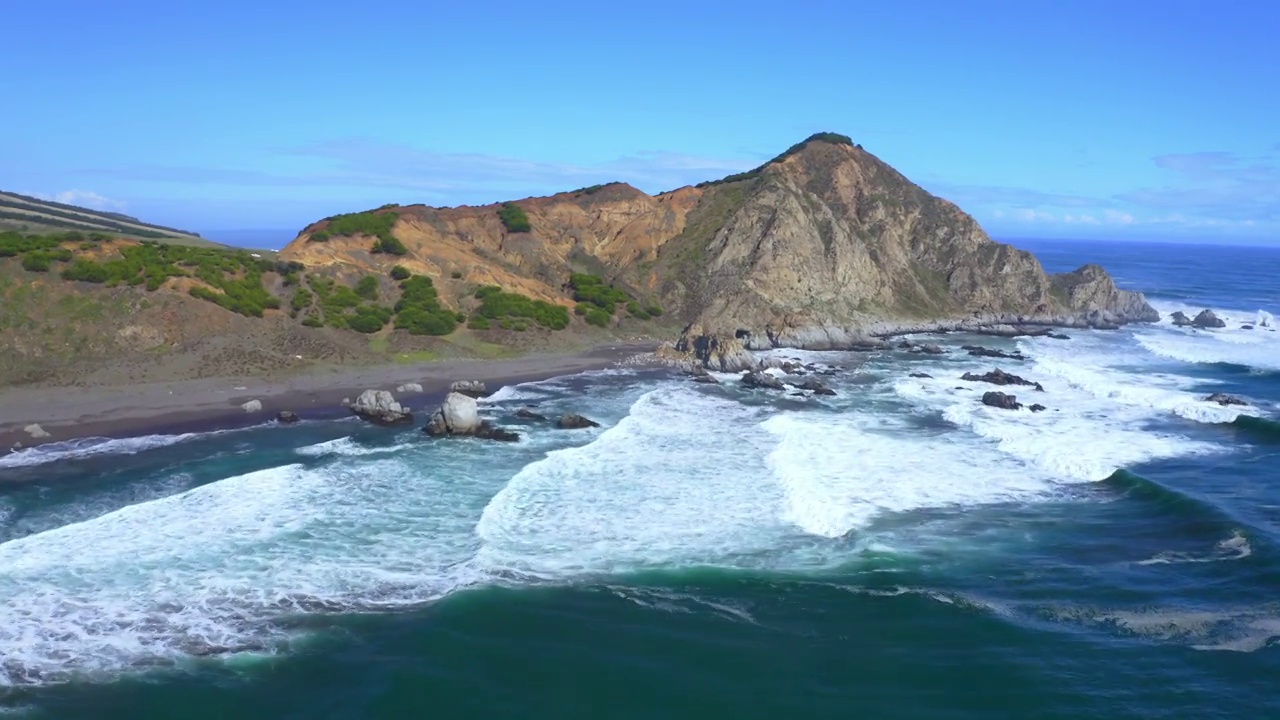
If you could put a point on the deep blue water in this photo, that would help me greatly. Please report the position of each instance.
(896, 551)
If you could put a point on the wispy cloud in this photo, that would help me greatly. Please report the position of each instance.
(1214, 186)
(361, 162)
(85, 199)
(974, 195)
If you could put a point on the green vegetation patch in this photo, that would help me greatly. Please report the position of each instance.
(419, 310)
(511, 310)
(514, 219)
(598, 301)
(377, 223)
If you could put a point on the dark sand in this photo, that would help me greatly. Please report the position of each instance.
(206, 404)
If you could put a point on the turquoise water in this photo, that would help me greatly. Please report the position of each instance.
(896, 551)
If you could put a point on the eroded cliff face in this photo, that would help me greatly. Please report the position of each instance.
(831, 245)
(823, 248)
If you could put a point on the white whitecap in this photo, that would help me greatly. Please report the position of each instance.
(88, 447)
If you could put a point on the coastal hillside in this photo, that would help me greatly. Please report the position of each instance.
(32, 215)
(818, 247)
(825, 246)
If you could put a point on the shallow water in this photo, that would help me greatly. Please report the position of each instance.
(898, 550)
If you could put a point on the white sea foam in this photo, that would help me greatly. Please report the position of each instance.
(1244, 629)
(88, 447)
(1257, 348)
(665, 486)
(211, 569)
(838, 473)
(1235, 547)
(347, 447)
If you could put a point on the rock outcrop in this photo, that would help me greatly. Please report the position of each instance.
(459, 415)
(1224, 399)
(286, 417)
(1001, 400)
(470, 388)
(979, 351)
(253, 406)
(1180, 319)
(35, 431)
(573, 421)
(762, 380)
(380, 407)
(1207, 319)
(1000, 377)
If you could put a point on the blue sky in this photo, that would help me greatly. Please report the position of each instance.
(1123, 119)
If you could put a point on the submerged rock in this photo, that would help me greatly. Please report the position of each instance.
(817, 387)
(470, 388)
(1037, 408)
(286, 417)
(979, 351)
(573, 421)
(1207, 319)
(758, 379)
(380, 407)
(1000, 377)
(529, 414)
(706, 380)
(489, 431)
(1058, 336)
(921, 375)
(1224, 399)
(1001, 400)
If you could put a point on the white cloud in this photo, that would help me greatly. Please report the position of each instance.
(85, 199)
(1032, 216)
(1116, 217)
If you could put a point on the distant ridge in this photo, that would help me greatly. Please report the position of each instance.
(33, 215)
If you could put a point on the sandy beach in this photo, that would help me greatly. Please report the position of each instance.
(212, 403)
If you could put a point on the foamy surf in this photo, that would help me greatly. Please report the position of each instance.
(89, 447)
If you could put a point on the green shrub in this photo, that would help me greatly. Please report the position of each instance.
(426, 322)
(400, 272)
(86, 271)
(301, 299)
(654, 311)
(36, 262)
(460, 316)
(479, 322)
(593, 290)
(499, 305)
(367, 287)
(362, 223)
(318, 236)
(596, 316)
(390, 245)
(456, 274)
(514, 219)
(312, 321)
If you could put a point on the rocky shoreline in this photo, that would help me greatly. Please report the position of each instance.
(69, 413)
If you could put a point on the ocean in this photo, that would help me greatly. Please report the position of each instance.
(896, 551)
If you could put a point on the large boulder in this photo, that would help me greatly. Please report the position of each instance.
(1001, 400)
(409, 388)
(459, 415)
(35, 431)
(1000, 377)
(723, 354)
(253, 406)
(1207, 319)
(760, 379)
(380, 408)
(1180, 319)
(573, 421)
(470, 388)
(286, 417)
(525, 413)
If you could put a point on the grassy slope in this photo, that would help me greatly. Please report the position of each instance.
(28, 214)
